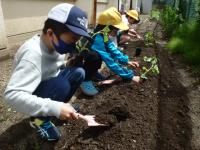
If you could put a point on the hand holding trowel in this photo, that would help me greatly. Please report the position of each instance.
(90, 119)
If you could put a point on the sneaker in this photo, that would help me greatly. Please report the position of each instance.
(88, 88)
(99, 77)
(46, 129)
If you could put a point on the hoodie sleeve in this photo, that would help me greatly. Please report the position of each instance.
(99, 46)
(18, 94)
(116, 53)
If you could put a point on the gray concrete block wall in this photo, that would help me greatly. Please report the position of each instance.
(3, 39)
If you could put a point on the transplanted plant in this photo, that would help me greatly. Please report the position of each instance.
(149, 38)
(152, 69)
(155, 14)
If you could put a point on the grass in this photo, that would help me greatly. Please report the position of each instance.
(185, 41)
(171, 20)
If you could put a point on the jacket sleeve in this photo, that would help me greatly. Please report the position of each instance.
(18, 94)
(116, 53)
(99, 46)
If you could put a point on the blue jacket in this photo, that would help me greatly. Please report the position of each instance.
(110, 54)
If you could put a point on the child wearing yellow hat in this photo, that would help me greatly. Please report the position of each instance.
(109, 22)
(131, 18)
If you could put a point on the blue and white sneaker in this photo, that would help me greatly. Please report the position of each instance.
(88, 88)
(46, 129)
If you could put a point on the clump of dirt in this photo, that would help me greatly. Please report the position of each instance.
(107, 120)
(113, 116)
(120, 111)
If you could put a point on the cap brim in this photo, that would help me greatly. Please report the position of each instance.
(122, 26)
(78, 31)
(132, 16)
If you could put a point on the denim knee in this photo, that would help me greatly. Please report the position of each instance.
(79, 75)
(63, 89)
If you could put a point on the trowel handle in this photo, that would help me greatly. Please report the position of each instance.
(81, 116)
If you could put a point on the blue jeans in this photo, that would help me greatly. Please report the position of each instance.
(62, 87)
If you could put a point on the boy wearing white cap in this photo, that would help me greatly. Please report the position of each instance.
(40, 84)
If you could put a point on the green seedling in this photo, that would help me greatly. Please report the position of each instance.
(155, 15)
(153, 68)
(149, 38)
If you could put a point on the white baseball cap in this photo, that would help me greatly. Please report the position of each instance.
(71, 16)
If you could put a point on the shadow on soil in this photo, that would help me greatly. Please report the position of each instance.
(174, 123)
(22, 136)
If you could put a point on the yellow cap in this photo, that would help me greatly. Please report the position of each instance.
(133, 14)
(112, 17)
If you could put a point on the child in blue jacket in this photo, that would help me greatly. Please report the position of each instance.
(109, 22)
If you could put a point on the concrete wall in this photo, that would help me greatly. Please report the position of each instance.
(142, 5)
(22, 16)
(102, 6)
(3, 39)
(18, 17)
(87, 6)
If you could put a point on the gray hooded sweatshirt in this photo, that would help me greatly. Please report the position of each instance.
(32, 64)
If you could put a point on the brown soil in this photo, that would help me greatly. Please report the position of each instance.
(151, 115)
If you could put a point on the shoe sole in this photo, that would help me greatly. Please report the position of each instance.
(88, 93)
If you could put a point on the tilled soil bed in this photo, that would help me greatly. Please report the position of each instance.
(151, 115)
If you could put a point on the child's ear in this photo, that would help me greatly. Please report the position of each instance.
(49, 32)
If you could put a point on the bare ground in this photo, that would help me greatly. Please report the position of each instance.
(153, 115)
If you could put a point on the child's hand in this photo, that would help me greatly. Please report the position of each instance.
(139, 37)
(115, 79)
(136, 79)
(68, 112)
(134, 64)
(124, 39)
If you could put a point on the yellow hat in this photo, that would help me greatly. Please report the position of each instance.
(133, 14)
(112, 17)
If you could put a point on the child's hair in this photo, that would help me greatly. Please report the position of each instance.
(100, 27)
(57, 27)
